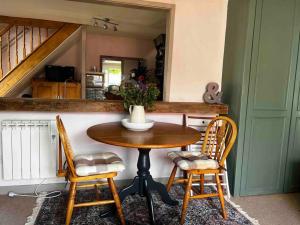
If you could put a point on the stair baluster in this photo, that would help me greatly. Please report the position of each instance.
(40, 39)
(33, 32)
(31, 37)
(24, 42)
(1, 70)
(8, 51)
(13, 43)
(16, 45)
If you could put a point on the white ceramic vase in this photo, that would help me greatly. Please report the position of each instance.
(137, 114)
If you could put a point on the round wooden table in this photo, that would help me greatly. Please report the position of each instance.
(160, 136)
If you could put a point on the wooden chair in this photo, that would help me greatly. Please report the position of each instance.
(104, 166)
(200, 123)
(219, 138)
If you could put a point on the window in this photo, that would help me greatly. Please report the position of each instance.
(113, 72)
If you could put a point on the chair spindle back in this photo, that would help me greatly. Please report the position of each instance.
(219, 138)
(66, 145)
(198, 123)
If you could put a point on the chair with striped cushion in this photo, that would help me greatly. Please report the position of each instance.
(218, 141)
(200, 123)
(87, 168)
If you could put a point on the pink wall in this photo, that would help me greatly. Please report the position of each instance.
(100, 44)
(71, 56)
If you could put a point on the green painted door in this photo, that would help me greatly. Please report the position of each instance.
(270, 97)
(292, 176)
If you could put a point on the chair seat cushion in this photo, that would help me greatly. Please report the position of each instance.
(99, 163)
(187, 160)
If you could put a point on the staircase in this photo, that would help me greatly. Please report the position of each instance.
(24, 44)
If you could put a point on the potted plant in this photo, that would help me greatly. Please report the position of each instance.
(137, 97)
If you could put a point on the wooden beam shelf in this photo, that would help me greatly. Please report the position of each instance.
(67, 105)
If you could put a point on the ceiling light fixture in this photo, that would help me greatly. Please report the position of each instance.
(95, 24)
(106, 23)
(105, 27)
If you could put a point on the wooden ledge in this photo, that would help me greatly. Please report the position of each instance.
(64, 105)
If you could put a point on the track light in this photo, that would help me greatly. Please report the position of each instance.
(106, 23)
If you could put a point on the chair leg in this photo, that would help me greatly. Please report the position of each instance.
(171, 179)
(97, 192)
(221, 196)
(71, 200)
(226, 182)
(186, 198)
(115, 195)
(201, 183)
(222, 182)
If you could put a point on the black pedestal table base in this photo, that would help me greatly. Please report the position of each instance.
(143, 184)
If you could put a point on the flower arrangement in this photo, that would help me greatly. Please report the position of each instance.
(139, 93)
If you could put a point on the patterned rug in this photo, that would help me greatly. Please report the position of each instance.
(200, 212)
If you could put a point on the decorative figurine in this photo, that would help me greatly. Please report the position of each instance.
(212, 95)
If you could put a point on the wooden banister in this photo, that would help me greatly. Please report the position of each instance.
(13, 39)
(34, 28)
(11, 79)
(30, 22)
(31, 37)
(3, 31)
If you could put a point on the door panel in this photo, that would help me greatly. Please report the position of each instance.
(265, 154)
(270, 98)
(293, 163)
(70, 90)
(292, 175)
(274, 55)
(48, 90)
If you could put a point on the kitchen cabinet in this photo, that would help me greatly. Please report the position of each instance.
(56, 90)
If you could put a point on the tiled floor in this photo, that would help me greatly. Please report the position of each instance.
(281, 209)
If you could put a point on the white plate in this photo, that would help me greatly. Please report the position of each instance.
(137, 126)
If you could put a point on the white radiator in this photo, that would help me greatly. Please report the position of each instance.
(28, 149)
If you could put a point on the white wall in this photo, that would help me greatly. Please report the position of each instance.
(76, 126)
(198, 47)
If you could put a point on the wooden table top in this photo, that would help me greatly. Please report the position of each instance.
(161, 135)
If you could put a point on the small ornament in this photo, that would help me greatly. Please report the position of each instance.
(212, 95)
